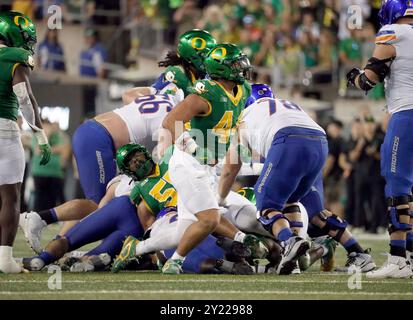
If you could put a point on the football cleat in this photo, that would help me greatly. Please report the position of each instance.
(10, 266)
(32, 226)
(173, 266)
(92, 263)
(33, 264)
(239, 268)
(127, 253)
(296, 270)
(409, 256)
(234, 248)
(363, 261)
(329, 246)
(258, 249)
(294, 248)
(395, 267)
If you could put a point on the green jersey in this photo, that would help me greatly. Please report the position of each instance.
(156, 191)
(219, 124)
(10, 58)
(177, 75)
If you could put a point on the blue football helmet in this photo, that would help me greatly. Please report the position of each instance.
(259, 91)
(392, 10)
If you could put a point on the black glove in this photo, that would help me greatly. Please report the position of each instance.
(352, 75)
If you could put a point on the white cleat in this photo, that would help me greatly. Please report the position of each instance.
(409, 256)
(294, 248)
(395, 267)
(32, 226)
(10, 266)
(362, 261)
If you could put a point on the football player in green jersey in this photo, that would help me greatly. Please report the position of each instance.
(153, 188)
(17, 41)
(183, 66)
(213, 109)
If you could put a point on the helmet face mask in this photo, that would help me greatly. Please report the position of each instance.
(134, 161)
(226, 61)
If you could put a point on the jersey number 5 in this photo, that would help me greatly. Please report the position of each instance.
(169, 194)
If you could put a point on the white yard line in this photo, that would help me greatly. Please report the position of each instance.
(252, 281)
(325, 293)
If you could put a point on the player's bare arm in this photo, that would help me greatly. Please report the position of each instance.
(232, 165)
(130, 95)
(30, 109)
(190, 107)
(146, 217)
(377, 68)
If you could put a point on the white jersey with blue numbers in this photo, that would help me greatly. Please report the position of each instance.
(265, 117)
(399, 83)
(144, 117)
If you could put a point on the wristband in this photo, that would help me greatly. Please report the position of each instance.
(41, 137)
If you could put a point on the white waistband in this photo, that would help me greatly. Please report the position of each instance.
(8, 129)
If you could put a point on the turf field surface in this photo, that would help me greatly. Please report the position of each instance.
(312, 284)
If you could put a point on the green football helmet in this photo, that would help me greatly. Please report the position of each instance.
(124, 156)
(226, 61)
(194, 45)
(248, 193)
(18, 30)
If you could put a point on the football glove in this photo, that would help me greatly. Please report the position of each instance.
(352, 75)
(45, 151)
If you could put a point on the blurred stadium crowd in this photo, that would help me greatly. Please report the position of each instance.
(301, 46)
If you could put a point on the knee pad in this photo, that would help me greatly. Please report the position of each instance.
(293, 209)
(333, 223)
(394, 213)
(268, 222)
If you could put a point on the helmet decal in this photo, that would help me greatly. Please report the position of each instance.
(219, 53)
(17, 21)
(198, 43)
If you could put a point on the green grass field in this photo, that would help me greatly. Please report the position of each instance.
(312, 284)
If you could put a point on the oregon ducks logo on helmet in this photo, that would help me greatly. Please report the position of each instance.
(18, 21)
(198, 43)
(219, 53)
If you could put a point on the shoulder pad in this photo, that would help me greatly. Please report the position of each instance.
(203, 86)
(174, 73)
(388, 34)
(20, 55)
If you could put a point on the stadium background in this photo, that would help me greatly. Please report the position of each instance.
(303, 48)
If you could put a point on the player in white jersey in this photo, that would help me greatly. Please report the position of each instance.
(392, 62)
(95, 142)
(295, 148)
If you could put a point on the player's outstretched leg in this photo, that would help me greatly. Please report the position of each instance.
(32, 223)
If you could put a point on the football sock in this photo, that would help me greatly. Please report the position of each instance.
(398, 248)
(48, 216)
(176, 256)
(409, 241)
(351, 245)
